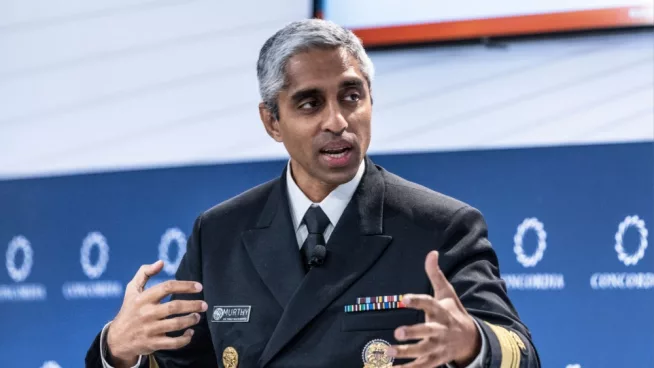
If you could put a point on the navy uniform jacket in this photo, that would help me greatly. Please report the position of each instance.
(244, 251)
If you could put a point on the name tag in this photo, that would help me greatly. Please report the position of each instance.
(231, 313)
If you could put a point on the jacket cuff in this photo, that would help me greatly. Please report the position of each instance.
(505, 347)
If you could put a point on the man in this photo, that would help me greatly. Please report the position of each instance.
(337, 262)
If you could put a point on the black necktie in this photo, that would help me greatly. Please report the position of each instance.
(313, 249)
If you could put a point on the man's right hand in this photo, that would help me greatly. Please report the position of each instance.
(141, 324)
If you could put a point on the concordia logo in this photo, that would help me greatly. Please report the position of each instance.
(172, 235)
(532, 281)
(624, 280)
(93, 289)
(21, 291)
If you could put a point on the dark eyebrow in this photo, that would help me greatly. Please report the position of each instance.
(313, 92)
(304, 93)
(352, 83)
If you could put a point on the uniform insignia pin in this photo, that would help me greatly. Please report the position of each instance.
(376, 303)
(380, 299)
(373, 307)
(374, 354)
(230, 357)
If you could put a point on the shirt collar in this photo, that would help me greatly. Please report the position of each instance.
(333, 205)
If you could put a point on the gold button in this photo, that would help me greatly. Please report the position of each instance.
(230, 357)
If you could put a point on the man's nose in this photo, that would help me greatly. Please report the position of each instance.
(335, 121)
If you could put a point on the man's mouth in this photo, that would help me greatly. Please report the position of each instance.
(336, 152)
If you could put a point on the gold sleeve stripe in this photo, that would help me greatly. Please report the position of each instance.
(518, 340)
(153, 363)
(510, 346)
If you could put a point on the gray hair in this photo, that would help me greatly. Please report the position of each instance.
(297, 37)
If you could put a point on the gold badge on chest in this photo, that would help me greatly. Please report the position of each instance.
(230, 357)
(374, 354)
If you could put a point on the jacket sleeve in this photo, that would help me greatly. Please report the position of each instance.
(471, 266)
(199, 352)
(93, 358)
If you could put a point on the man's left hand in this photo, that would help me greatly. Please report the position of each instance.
(448, 335)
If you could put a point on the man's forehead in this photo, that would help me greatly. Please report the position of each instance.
(321, 67)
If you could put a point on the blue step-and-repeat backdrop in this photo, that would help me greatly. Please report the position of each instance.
(570, 225)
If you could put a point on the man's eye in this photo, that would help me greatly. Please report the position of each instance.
(308, 105)
(352, 97)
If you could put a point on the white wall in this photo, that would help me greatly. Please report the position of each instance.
(105, 85)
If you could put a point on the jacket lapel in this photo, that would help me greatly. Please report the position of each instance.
(355, 245)
(273, 248)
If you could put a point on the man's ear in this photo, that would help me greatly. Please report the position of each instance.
(270, 122)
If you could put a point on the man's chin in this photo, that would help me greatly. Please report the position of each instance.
(339, 176)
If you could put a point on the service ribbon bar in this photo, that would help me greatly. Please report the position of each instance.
(380, 299)
(363, 307)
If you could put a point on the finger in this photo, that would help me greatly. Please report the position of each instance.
(438, 280)
(419, 331)
(416, 350)
(176, 307)
(172, 343)
(144, 273)
(175, 324)
(425, 303)
(160, 291)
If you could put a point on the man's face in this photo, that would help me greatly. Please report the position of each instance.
(324, 116)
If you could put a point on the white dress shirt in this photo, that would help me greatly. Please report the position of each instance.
(333, 205)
